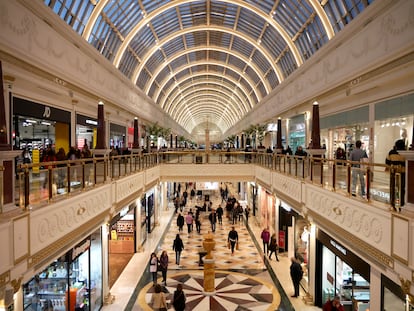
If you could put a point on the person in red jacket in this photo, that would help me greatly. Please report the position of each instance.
(333, 305)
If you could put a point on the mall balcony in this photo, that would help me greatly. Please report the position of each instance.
(54, 206)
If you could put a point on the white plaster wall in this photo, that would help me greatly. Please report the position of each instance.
(50, 223)
(369, 223)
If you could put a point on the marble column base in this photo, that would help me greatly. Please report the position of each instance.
(209, 276)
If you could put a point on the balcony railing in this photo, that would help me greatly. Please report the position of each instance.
(41, 183)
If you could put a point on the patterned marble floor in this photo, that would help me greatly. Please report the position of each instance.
(242, 281)
(234, 292)
(246, 257)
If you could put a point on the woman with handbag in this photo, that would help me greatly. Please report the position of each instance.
(158, 300)
(154, 267)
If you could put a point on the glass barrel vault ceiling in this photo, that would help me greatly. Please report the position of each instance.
(211, 61)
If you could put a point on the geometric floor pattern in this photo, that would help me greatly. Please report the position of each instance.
(234, 292)
(246, 257)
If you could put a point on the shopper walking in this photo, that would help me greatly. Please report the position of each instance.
(247, 213)
(296, 274)
(154, 267)
(180, 222)
(164, 266)
(158, 300)
(198, 221)
(232, 239)
(213, 219)
(178, 247)
(189, 221)
(266, 239)
(179, 299)
(357, 173)
(220, 212)
(273, 247)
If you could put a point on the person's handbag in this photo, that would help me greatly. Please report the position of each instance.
(228, 245)
(237, 245)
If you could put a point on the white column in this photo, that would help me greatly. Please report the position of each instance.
(375, 289)
(105, 260)
(138, 225)
(311, 261)
(73, 125)
(164, 195)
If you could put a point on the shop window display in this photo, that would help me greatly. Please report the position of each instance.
(340, 279)
(68, 283)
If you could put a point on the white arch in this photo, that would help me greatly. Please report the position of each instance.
(182, 32)
(204, 48)
(221, 64)
(167, 108)
(226, 98)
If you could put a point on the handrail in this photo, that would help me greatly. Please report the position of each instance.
(41, 183)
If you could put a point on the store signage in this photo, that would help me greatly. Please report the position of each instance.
(46, 112)
(92, 122)
(77, 250)
(338, 247)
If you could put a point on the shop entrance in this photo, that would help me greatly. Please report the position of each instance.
(121, 243)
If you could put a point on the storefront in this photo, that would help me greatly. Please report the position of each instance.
(340, 272)
(342, 130)
(393, 124)
(72, 282)
(122, 231)
(297, 132)
(148, 205)
(294, 234)
(37, 126)
(86, 129)
(117, 137)
(142, 221)
(267, 216)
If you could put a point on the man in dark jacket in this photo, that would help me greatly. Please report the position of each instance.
(180, 222)
(296, 273)
(398, 161)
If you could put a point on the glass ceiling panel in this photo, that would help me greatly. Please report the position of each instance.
(220, 39)
(151, 5)
(179, 62)
(123, 14)
(143, 42)
(223, 14)
(272, 78)
(193, 14)
(119, 17)
(142, 79)
(341, 12)
(165, 24)
(250, 24)
(242, 47)
(174, 46)
(75, 13)
(287, 63)
(128, 63)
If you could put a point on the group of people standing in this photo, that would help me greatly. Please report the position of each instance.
(270, 244)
